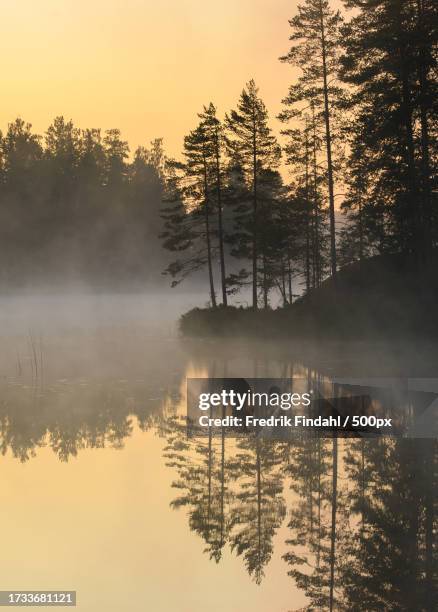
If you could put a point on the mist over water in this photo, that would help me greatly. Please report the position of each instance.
(98, 472)
(57, 311)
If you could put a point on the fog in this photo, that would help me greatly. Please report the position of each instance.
(82, 333)
(92, 436)
(85, 334)
(47, 313)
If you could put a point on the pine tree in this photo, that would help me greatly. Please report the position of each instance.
(183, 228)
(238, 226)
(298, 158)
(390, 62)
(188, 221)
(302, 150)
(391, 556)
(271, 232)
(198, 190)
(315, 51)
(253, 146)
(214, 136)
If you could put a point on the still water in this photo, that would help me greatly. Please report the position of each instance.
(103, 493)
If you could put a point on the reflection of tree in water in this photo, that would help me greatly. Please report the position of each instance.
(362, 520)
(362, 516)
(382, 554)
(235, 498)
(362, 525)
(315, 518)
(203, 480)
(393, 551)
(258, 509)
(70, 418)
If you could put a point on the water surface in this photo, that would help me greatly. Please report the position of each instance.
(103, 493)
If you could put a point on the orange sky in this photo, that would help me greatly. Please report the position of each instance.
(144, 66)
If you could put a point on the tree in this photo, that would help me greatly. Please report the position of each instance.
(146, 191)
(364, 231)
(24, 212)
(188, 222)
(271, 233)
(315, 51)
(302, 150)
(298, 158)
(390, 62)
(314, 523)
(74, 201)
(214, 136)
(183, 229)
(253, 146)
(238, 223)
(62, 153)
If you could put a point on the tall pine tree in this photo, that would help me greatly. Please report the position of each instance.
(252, 144)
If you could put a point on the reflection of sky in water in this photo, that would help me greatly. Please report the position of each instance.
(104, 521)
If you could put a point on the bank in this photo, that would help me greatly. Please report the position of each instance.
(383, 297)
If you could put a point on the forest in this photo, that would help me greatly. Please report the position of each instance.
(74, 208)
(352, 180)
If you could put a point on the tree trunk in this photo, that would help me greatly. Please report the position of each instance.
(360, 233)
(259, 497)
(265, 284)
(210, 266)
(220, 224)
(328, 138)
(425, 155)
(283, 282)
(255, 228)
(307, 215)
(207, 231)
(210, 457)
(316, 245)
(413, 528)
(363, 485)
(319, 502)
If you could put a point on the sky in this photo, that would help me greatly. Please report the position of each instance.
(145, 67)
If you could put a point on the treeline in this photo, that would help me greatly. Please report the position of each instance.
(73, 206)
(359, 129)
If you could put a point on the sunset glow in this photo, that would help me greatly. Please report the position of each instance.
(143, 66)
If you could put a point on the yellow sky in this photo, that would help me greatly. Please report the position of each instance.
(144, 66)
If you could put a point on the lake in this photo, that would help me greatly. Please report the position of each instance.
(105, 494)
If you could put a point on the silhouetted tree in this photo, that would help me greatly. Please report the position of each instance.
(189, 220)
(315, 51)
(72, 205)
(390, 63)
(214, 136)
(253, 146)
